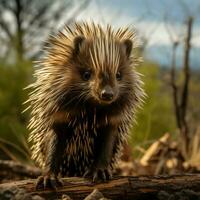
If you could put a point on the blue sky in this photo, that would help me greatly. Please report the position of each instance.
(153, 19)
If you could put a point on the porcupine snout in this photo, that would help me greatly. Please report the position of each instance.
(107, 93)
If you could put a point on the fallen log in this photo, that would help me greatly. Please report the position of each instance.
(10, 169)
(143, 187)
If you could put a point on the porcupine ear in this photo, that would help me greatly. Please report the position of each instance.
(78, 41)
(128, 44)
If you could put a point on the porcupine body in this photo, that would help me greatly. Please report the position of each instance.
(84, 100)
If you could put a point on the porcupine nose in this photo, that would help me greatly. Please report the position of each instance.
(107, 93)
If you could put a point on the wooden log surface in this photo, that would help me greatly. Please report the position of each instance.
(143, 187)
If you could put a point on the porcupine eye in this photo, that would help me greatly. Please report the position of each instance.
(86, 75)
(118, 76)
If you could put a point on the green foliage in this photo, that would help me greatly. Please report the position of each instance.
(156, 116)
(13, 79)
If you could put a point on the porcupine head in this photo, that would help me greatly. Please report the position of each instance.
(86, 94)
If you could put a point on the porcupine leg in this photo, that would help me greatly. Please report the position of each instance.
(103, 155)
(55, 150)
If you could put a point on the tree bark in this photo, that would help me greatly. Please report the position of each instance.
(143, 187)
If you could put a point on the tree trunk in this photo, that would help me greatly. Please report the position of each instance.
(185, 92)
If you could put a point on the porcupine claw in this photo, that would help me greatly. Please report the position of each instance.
(98, 174)
(48, 182)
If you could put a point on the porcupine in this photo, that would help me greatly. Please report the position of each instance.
(83, 102)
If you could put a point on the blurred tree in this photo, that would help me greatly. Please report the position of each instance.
(181, 101)
(180, 84)
(24, 24)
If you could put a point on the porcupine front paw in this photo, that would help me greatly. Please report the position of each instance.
(48, 182)
(98, 174)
